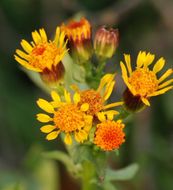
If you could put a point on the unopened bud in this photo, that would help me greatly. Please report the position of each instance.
(106, 42)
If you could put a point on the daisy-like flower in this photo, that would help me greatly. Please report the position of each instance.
(143, 82)
(79, 39)
(66, 117)
(44, 56)
(97, 98)
(109, 134)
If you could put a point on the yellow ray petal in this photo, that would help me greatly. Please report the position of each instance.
(22, 54)
(101, 116)
(53, 135)
(81, 136)
(67, 96)
(26, 46)
(47, 128)
(43, 118)
(125, 78)
(36, 37)
(26, 65)
(88, 119)
(145, 101)
(110, 114)
(55, 96)
(43, 35)
(113, 105)
(104, 80)
(84, 107)
(159, 65)
(108, 90)
(149, 59)
(45, 105)
(68, 139)
(140, 58)
(165, 75)
(57, 34)
(162, 91)
(165, 83)
(76, 98)
(128, 63)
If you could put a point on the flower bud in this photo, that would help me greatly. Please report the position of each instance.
(106, 42)
(78, 34)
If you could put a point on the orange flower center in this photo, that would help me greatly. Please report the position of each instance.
(44, 55)
(38, 50)
(109, 135)
(144, 81)
(94, 100)
(69, 118)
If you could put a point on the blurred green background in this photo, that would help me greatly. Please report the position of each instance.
(143, 25)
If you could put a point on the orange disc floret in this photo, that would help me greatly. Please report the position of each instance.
(144, 81)
(94, 99)
(69, 118)
(109, 135)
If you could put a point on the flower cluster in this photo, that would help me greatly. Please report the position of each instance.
(80, 111)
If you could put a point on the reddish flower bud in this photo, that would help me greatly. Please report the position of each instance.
(106, 42)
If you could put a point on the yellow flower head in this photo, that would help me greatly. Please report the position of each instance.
(143, 82)
(109, 134)
(67, 117)
(78, 34)
(42, 54)
(77, 31)
(97, 98)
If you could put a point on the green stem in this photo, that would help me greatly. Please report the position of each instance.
(89, 177)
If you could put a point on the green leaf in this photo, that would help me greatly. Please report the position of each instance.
(126, 173)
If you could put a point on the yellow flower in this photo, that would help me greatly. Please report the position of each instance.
(79, 39)
(77, 31)
(143, 82)
(67, 117)
(97, 98)
(109, 134)
(42, 55)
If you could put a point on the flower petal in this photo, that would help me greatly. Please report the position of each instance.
(67, 96)
(84, 107)
(128, 63)
(43, 118)
(162, 91)
(76, 98)
(55, 96)
(159, 65)
(101, 116)
(165, 83)
(53, 135)
(115, 104)
(104, 80)
(47, 128)
(145, 101)
(165, 75)
(36, 37)
(108, 90)
(26, 46)
(68, 139)
(45, 105)
(43, 35)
